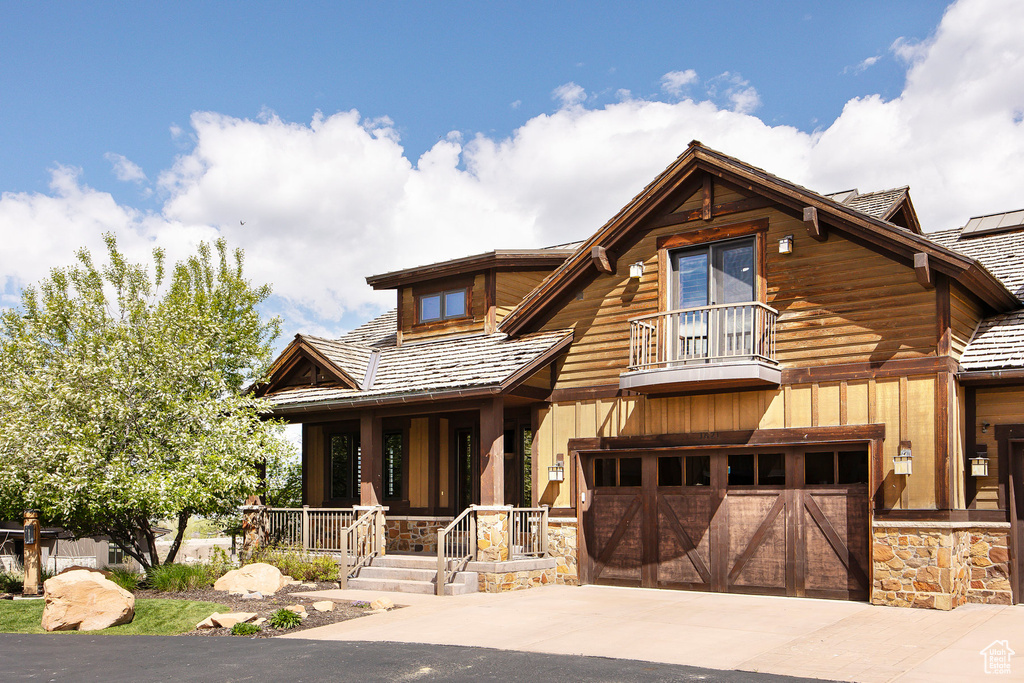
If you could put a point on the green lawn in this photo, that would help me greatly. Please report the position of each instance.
(153, 617)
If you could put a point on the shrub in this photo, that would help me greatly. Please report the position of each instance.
(220, 564)
(284, 618)
(177, 578)
(124, 577)
(299, 565)
(11, 581)
(245, 630)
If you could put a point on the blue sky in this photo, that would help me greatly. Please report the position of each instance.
(355, 139)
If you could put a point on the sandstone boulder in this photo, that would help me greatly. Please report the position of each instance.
(85, 600)
(218, 620)
(382, 604)
(324, 606)
(257, 577)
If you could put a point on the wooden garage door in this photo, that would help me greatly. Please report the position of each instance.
(777, 522)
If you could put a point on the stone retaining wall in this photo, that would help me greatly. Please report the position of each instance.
(513, 575)
(563, 547)
(940, 565)
(414, 534)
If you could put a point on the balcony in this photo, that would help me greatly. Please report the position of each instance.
(696, 349)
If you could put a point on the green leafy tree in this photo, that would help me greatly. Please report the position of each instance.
(122, 395)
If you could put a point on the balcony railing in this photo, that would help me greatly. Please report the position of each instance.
(706, 334)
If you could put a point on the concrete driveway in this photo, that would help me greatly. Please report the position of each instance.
(789, 636)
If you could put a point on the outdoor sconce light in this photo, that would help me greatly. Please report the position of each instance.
(979, 463)
(556, 472)
(636, 270)
(904, 462)
(984, 427)
(786, 245)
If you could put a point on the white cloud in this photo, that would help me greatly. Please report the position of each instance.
(125, 169)
(569, 94)
(862, 66)
(674, 81)
(908, 50)
(734, 91)
(331, 201)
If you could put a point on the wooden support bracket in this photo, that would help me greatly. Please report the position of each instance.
(603, 261)
(923, 269)
(814, 229)
(707, 201)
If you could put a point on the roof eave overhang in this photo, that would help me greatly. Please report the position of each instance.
(499, 258)
(296, 349)
(875, 231)
(991, 377)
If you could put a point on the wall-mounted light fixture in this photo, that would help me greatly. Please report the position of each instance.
(984, 427)
(903, 462)
(786, 245)
(556, 472)
(979, 463)
(636, 270)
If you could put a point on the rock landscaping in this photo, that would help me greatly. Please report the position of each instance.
(84, 600)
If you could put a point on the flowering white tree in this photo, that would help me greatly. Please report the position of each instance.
(122, 396)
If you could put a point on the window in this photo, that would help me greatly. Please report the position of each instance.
(446, 305)
(393, 465)
(115, 555)
(825, 468)
(344, 464)
(757, 469)
(618, 472)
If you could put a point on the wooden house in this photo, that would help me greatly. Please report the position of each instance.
(736, 384)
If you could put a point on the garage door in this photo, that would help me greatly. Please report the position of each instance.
(775, 522)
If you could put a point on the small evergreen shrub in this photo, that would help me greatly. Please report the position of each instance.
(245, 630)
(284, 618)
(177, 578)
(11, 581)
(299, 565)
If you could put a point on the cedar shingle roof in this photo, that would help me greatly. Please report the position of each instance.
(1002, 254)
(352, 358)
(378, 332)
(878, 204)
(483, 361)
(998, 344)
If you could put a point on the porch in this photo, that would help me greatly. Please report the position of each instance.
(485, 548)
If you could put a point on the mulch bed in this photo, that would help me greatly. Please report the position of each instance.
(264, 607)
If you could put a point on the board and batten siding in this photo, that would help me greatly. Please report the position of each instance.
(838, 302)
(419, 462)
(996, 406)
(905, 405)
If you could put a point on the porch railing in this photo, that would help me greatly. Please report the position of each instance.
(356, 534)
(528, 532)
(705, 334)
(456, 545)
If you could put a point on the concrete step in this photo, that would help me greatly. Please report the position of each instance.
(406, 561)
(397, 573)
(466, 584)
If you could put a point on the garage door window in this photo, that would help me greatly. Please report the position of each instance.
(826, 468)
(690, 470)
(757, 469)
(618, 472)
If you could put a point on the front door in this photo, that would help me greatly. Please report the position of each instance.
(465, 478)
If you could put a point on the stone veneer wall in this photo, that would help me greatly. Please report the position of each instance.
(414, 534)
(492, 534)
(503, 582)
(940, 565)
(563, 546)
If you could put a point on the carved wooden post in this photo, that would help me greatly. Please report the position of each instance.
(255, 527)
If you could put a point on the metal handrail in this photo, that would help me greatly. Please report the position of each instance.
(703, 334)
(456, 545)
(528, 532)
(362, 546)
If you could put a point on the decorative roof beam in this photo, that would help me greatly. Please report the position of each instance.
(814, 229)
(708, 197)
(924, 271)
(603, 261)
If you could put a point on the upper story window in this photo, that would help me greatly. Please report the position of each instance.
(447, 305)
(713, 274)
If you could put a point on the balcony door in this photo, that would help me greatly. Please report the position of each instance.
(706, 280)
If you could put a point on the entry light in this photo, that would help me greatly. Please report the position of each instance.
(786, 245)
(904, 462)
(636, 270)
(556, 472)
(979, 463)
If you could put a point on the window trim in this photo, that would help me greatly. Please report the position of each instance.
(441, 294)
(666, 244)
(354, 467)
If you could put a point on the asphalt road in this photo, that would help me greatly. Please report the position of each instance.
(74, 657)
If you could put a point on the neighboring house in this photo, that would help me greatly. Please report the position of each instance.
(59, 549)
(736, 384)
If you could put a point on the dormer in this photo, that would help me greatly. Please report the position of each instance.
(469, 295)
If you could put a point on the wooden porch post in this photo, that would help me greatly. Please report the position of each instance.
(371, 447)
(492, 452)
